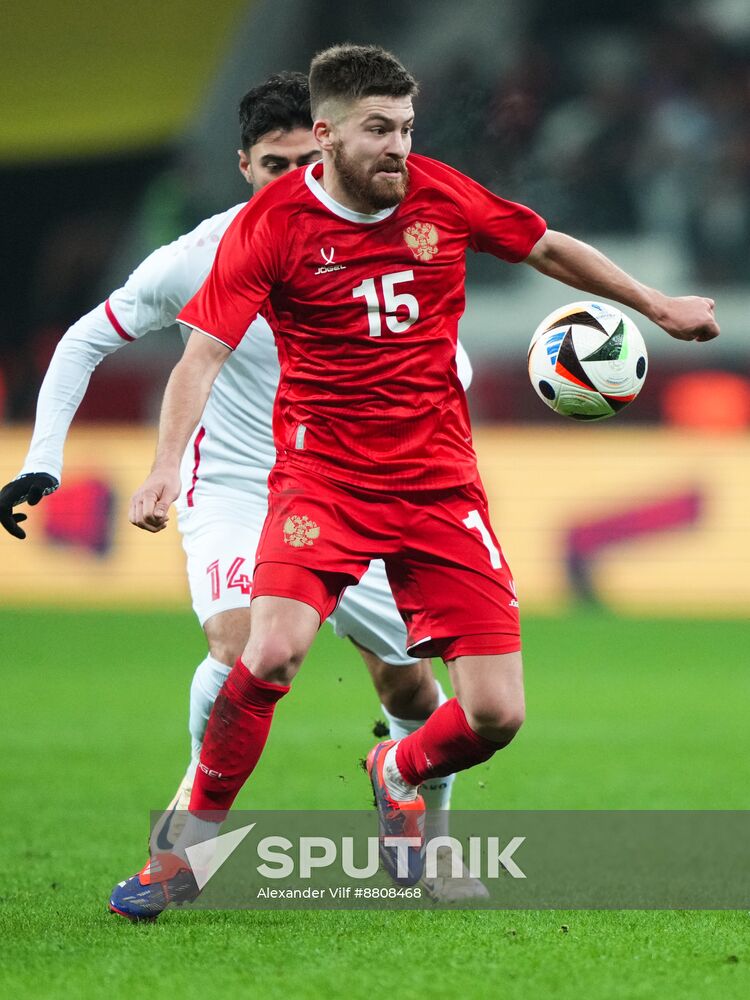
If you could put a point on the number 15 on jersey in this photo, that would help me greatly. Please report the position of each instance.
(383, 302)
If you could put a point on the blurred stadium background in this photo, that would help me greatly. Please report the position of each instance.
(625, 124)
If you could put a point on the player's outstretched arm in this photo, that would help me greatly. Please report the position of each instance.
(185, 397)
(687, 317)
(149, 300)
(80, 350)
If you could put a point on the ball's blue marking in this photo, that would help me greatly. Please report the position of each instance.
(553, 345)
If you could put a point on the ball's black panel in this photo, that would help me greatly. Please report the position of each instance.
(568, 359)
(588, 416)
(616, 404)
(611, 348)
(546, 390)
(578, 319)
(640, 367)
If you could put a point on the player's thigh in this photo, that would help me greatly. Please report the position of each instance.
(367, 614)
(220, 538)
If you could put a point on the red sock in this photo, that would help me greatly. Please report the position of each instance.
(236, 733)
(443, 745)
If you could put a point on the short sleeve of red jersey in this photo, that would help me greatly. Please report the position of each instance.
(239, 281)
(497, 226)
(500, 227)
(504, 228)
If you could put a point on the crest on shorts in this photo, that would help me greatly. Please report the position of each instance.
(422, 239)
(299, 531)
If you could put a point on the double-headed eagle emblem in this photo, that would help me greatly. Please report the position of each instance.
(422, 238)
(299, 531)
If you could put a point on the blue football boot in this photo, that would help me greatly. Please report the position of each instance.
(164, 879)
(397, 819)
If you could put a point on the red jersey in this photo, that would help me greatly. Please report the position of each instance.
(365, 312)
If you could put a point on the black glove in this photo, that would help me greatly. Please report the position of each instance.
(29, 489)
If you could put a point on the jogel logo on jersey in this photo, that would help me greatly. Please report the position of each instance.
(300, 530)
(422, 239)
(328, 264)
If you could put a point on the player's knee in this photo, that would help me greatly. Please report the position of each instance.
(274, 657)
(497, 721)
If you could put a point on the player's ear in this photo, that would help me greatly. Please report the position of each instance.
(323, 134)
(245, 166)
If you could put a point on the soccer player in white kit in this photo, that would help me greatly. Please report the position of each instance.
(225, 467)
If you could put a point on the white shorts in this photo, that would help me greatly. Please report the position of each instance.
(220, 535)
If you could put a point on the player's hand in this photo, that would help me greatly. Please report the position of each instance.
(688, 317)
(149, 505)
(29, 488)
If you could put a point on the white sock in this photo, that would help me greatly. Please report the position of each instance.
(191, 769)
(208, 679)
(398, 789)
(437, 791)
(194, 832)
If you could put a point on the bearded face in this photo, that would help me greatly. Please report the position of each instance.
(375, 185)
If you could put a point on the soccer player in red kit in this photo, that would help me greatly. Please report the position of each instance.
(358, 263)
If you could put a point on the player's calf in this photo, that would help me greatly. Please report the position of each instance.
(234, 740)
(406, 691)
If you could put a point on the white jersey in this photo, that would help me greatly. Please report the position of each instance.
(232, 448)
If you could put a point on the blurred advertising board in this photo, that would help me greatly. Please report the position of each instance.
(80, 548)
(643, 521)
(648, 521)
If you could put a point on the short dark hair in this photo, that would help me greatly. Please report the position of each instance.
(282, 102)
(348, 72)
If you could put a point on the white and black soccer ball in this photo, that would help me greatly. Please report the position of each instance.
(587, 360)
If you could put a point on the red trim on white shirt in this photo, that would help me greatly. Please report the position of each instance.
(115, 322)
(197, 456)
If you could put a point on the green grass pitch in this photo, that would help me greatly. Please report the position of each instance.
(622, 714)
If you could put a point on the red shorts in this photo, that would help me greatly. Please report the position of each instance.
(449, 578)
